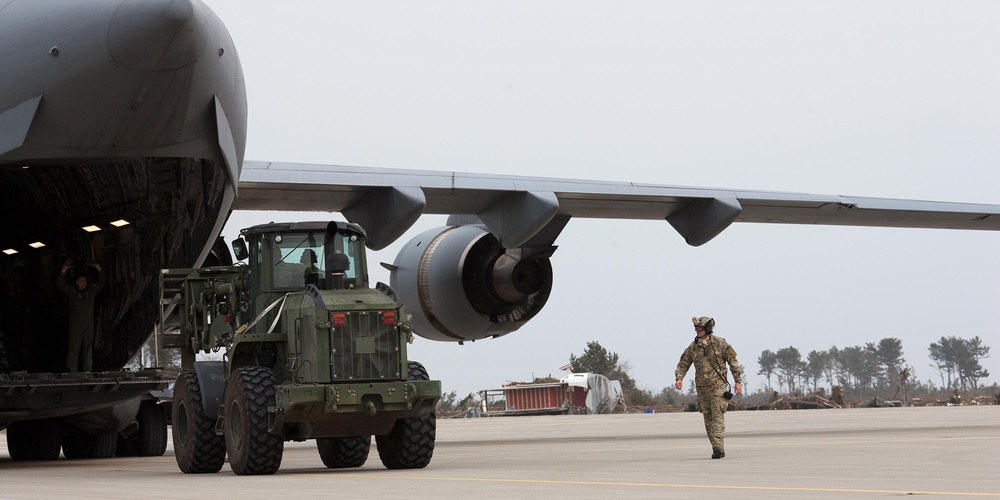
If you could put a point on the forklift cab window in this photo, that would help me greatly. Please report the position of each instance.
(297, 260)
(353, 248)
(342, 245)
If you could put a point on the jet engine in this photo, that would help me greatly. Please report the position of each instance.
(459, 283)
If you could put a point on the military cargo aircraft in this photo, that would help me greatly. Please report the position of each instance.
(122, 137)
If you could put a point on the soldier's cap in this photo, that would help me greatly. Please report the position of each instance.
(703, 321)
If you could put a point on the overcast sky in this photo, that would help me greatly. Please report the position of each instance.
(884, 99)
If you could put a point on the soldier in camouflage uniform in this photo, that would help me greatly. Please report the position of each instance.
(709, 354)
(82, 296)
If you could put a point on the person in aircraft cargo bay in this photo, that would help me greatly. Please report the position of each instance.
(710, 354)
(82, 296)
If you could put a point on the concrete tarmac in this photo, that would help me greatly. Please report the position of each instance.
(851, 453)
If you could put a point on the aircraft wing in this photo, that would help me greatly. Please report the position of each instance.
(530, 211)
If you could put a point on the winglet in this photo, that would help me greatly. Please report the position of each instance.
(704, 218)
(387, 213)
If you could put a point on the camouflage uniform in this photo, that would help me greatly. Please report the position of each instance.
(80, 353)
(709, 356)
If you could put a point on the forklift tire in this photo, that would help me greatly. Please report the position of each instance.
(252, 449)
(410, 444)
(196, 446)
(344, 452)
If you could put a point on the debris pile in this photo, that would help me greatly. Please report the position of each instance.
(813, 402)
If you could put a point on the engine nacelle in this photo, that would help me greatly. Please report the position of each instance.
(459, 283)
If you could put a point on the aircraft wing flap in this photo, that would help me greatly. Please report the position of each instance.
(860, 211)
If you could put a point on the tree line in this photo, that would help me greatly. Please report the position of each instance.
(878, 365)
(958, 360)
(858, 369)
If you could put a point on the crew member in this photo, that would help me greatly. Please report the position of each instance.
(312, 274)
(82, 295)
(710, 354)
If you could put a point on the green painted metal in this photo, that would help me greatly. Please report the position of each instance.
(336, 347)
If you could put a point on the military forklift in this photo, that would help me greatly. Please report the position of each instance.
(309, 351)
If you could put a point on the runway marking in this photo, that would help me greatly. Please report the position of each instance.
(370, 477)
(729, 445)
(659, 485)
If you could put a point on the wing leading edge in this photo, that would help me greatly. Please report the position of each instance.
(530, 211)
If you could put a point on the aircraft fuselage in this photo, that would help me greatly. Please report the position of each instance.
(110, 110)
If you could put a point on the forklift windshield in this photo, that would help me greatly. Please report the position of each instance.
(300, 259)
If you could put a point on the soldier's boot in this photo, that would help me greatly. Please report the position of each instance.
(716, 437)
